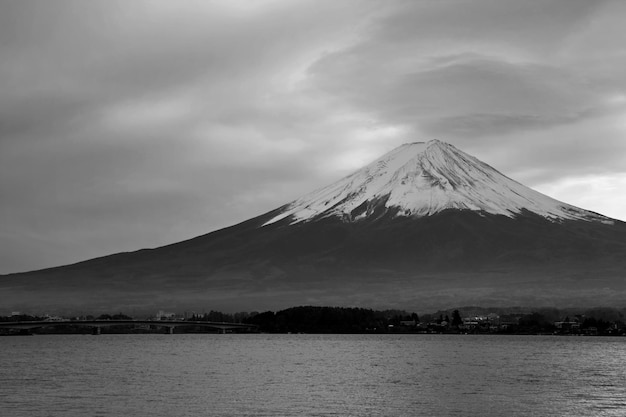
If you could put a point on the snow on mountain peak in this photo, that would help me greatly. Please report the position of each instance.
(421, 179)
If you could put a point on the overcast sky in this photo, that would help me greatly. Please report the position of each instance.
(133, 124)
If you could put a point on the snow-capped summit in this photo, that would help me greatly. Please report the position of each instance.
(423, 178)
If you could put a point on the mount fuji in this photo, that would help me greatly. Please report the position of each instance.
(425, 226)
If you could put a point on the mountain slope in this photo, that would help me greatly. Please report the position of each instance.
(425, 226)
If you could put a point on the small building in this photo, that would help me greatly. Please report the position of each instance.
(567, 326)
(162, 315)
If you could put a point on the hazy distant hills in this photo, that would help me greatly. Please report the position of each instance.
(424, 227)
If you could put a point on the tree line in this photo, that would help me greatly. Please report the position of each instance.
(311, 319)
(315, 319)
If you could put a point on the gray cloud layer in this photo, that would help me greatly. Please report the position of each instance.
(135, 124)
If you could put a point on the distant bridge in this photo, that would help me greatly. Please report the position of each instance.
(97, 325)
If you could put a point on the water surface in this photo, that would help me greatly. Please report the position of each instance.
(311, 375)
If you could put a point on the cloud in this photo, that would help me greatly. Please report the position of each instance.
(471, 91)
(510, 27)
(595, 192)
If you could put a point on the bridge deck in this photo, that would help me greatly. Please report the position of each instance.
(109, 323)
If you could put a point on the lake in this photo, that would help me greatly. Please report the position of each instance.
(311, 375)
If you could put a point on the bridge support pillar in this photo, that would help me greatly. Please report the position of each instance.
(96, 330)
(171, 330)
